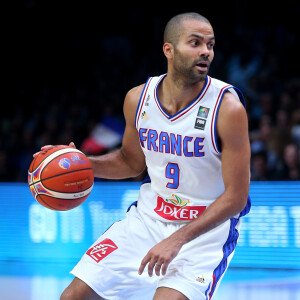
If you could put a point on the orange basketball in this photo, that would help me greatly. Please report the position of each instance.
(60, 178)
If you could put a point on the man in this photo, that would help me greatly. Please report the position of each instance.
(191, 133)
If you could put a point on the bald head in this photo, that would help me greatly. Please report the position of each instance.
(174, 27)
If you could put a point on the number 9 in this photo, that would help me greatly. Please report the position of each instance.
(172, 172)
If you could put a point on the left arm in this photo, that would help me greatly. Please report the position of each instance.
(232, 128)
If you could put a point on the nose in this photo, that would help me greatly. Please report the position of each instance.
(204, 51)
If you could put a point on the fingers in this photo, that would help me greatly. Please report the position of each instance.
(42, 149)
(143, 264)
(164, 269)
(46, 147)
(150, 267)
(72, 145)
(157, 268)
(155, 264)
(36, 154)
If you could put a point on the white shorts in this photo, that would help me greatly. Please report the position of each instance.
(110, 266)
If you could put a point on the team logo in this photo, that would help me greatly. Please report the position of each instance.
(176, 209)
(200, 123)
(101, 250)
(64, 163)
(203, 112)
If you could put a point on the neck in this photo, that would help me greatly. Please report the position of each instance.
(175, 93)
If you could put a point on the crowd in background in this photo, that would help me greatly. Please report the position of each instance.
(66, 83)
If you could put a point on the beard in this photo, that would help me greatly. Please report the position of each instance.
(188, 70)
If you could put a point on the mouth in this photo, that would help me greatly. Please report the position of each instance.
(202, 66)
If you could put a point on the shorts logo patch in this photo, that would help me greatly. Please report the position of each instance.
(101, 250)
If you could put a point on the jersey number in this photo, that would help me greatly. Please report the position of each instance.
(172, 172)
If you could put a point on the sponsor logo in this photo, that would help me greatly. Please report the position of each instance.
(76, 182)
(176, 209)
(76, 159)
(147, 100)
(201, 279)
(101, 250)
(64, 163)
(203, 112)
(200, 123)
(144, 116)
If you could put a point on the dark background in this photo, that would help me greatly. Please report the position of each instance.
(68, 66)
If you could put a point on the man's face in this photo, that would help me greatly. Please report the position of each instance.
(194, 51)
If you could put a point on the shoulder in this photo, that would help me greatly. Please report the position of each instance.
(135, 93)
(133, 96)
(131, 102)
(232, 119)
(217, 84)
(232, 111)
(231, 104)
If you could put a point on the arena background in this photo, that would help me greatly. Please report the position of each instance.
(69, 68)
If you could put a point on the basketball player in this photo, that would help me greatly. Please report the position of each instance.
(190, 131)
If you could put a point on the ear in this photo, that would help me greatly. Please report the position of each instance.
(168, 49)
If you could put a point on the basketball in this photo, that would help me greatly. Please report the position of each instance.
(60, 178)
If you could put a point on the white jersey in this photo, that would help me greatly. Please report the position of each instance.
(185, 177)
(182, 153)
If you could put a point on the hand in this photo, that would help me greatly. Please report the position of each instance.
(160, 256)
(49, 146)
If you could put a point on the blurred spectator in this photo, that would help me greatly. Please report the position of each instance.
(290, 167)
(68, 81)
(264, 139)
(241, 68)
(259, 167)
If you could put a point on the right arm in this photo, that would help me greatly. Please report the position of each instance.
(129, 160)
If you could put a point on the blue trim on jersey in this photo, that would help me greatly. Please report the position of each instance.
(207, 290)
(241, 98)
(147, 179)
(138, 107)
(247, 208)
(228, 248)
(215, 124)
(132, 204)
(179, 112)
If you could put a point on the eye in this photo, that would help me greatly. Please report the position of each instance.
(210, 45)
(194, 42)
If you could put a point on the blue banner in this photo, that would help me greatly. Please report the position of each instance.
(270, 234)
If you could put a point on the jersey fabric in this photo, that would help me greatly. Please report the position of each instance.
(182, 154)
(185, 176)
